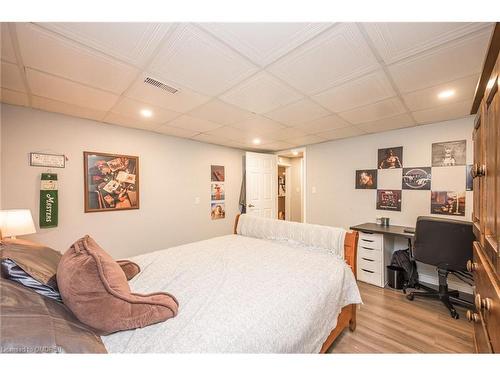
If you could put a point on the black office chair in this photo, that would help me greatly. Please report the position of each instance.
(447, 244)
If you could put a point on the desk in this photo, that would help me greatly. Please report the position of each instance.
(375, 248)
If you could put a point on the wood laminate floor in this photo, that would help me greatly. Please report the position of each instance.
(388, 323)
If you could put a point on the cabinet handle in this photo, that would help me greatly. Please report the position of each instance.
(367, 248)
(369, 260)
(367, 270)
(472, 316)
(366, 240)
(471, 266)
(482, 303)
(478, 170)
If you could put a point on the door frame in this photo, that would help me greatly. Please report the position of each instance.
(304, 177)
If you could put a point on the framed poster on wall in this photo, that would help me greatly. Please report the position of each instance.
(111, 182)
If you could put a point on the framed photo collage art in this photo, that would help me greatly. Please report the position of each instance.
(444, 154)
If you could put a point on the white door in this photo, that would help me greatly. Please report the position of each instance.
(261, 184)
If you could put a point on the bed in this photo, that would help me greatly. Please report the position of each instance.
(259, 290)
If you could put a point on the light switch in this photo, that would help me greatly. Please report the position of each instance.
(197, 200)
(313, 190)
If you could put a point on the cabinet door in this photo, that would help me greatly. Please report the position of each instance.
(491, 173)
(477, 214)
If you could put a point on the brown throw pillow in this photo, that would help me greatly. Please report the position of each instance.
(129, 268)
(31, 323)
(95, 289)
(30, 264)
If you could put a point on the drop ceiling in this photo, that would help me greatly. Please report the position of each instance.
(285, 84)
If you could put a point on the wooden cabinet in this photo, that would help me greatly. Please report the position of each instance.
(485, 264)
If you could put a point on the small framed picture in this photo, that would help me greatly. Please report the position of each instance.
(217, 173)
(448, 203)
(217, 210)
(217, 191)
(390, 158)
(469, 182)
(111, 182)
(389, 200)
(366, 179)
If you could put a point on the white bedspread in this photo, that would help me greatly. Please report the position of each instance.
(241, 294)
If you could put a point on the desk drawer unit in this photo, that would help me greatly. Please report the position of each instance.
(370, 265)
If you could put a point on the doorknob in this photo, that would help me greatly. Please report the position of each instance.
(251, 205)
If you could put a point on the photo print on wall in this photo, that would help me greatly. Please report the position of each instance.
(390, 158)
(449, 154)
(366, 179)
(217, 192)
(448, 203)
(469, 183)
(217, 173)
(389, 200)
(417, 178)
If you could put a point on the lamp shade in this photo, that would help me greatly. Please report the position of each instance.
(16, 223)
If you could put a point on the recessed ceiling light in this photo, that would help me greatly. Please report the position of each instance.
(256, 141)
(446, 94)
(146, 113)
(295, 153)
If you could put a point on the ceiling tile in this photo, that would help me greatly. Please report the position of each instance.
(397, 40)
(182, 101)
(336, 56)
(358, 92)
(305, 140)
(278, 146)
(11, 77)
(198, 61)
(244, 136)
(449, 62)
(50, 105)
(298, 113)
(400, 121)
(324, 124)
(207, 138)
(427, 98)
(260, 94)
(56, 88)
(8, 53)
(129, 122)
(350, 131)
(220, 112)
(132, 108)
(13, 97)
(264, 42)
(132, 42)
(176, 132)
(259, 124)
(287, 133)
(376, 111)
(443, 113)
(193, 123)
(48, 52)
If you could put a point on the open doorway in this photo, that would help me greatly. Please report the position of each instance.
(290, 197)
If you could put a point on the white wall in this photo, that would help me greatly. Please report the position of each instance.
(296, 190)
(331, 170)
(173, 172)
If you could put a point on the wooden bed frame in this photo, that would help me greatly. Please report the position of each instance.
(347, 316)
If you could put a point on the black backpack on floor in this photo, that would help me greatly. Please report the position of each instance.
(401, 258)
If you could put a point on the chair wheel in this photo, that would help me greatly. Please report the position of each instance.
(410, 297)
(454, 314)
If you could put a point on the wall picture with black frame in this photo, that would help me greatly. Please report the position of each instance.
(366, 179)
(389, 200)
(416, 178)
(390, 158)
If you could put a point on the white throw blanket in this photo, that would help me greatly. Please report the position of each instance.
(297, 234)
(241, 294)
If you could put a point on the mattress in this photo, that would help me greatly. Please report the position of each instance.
(240, 294)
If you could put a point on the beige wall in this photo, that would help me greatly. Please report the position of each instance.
(173, 172)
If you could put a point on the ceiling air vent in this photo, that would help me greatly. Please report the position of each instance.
(160, 85)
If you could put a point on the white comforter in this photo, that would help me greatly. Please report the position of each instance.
(241, 294)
